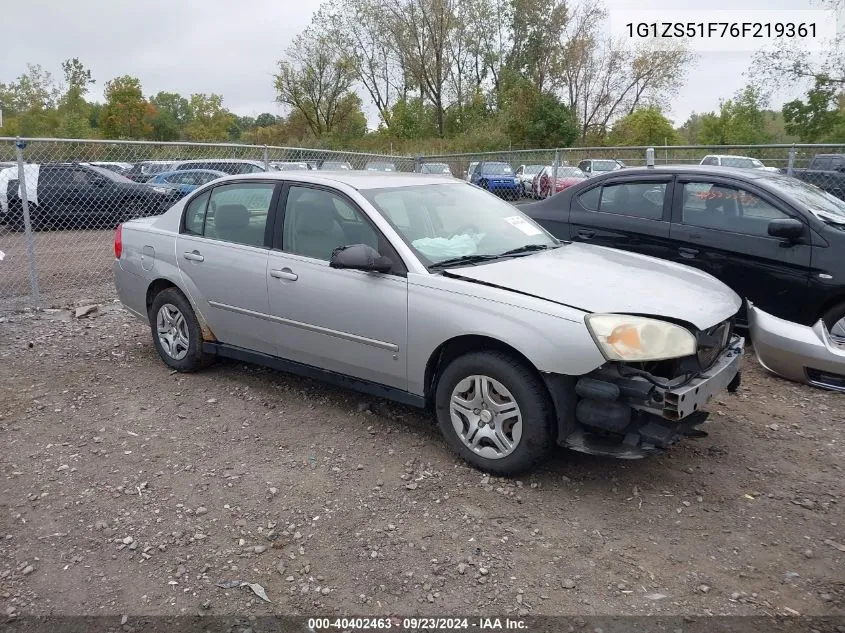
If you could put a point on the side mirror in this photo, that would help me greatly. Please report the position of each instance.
(360, 257)
(786, 228)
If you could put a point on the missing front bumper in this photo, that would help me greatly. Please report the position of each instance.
(629, 415)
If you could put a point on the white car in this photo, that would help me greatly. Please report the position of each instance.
(729, 160)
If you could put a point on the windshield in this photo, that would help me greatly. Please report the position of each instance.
(824, 205)
(435, 168)
(441, 222)
(291, 166)
(605, 165)
(532, 170)
(496, 169)
(739, 161)
(335, 165)
(381, 167)
(108, 173)
(154, 168)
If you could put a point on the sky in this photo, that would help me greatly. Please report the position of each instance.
(231, 48)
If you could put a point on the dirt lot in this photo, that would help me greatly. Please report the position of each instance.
(129, 489)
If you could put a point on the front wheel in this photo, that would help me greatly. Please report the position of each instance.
(494, 412)
(834, 320)
(176, 332)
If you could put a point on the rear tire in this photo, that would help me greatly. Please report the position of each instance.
(176, 332)
(512, 431)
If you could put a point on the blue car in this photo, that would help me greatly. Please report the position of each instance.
(497, 178)
(186, 180)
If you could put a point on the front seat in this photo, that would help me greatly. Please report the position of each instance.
(231, 223)
(316, 232)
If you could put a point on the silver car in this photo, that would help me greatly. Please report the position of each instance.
(431, 292)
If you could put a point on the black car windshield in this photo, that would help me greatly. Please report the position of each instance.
(442, 222)
(108, 173)
(496, 169)
(824, 205)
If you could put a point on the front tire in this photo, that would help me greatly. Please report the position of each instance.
(834, 320)
(494, 412)
(176, 332)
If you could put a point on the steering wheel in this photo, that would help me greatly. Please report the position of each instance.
(467, 228)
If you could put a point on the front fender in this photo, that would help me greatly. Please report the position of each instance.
(552, 337)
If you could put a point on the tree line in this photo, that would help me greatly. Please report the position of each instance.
(445, 75)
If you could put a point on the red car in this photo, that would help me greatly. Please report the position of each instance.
(566, 177)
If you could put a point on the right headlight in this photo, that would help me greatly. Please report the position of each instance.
(635, 339)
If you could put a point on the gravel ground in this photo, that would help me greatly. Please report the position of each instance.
(130, 489)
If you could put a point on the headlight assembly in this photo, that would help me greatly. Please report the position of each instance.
(635, 339)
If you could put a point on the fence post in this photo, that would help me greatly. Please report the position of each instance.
(266, 159)
(418, 163)
(27, 223)
(553, 185)
(791, 163)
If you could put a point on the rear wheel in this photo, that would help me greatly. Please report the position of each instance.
(494, 412)
(176, 332)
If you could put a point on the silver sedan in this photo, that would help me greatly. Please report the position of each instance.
(434, 293)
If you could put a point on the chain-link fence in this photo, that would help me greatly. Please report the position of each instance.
(536, 170)
(57, 222)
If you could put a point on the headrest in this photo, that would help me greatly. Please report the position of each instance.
(231, 216)
(313, 217)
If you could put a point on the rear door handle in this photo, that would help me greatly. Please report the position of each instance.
(688, 253)
(284, 273)
(194, 256)
(586, 235)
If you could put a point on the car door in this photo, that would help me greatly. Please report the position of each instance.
(222, 252)
(346, 321)
(628, 213)
(721, 227)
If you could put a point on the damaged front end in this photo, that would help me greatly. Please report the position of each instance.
(631, 410)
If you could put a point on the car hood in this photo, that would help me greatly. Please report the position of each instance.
(598, 279)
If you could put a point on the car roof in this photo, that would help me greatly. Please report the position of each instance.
(704, 170)
(357, 179)
(191, 171)
(219, 161)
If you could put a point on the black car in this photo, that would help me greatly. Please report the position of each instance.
(775, 240)
(73, 195)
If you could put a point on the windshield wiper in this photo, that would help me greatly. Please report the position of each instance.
(463, 259)
(528, 248)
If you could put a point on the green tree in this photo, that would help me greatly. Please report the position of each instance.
(208, 119)
(126, 114)
(645, 126)
(172, 114)
(31, 100)
(740, 121)
(73, 110)
(814, 119)
(265, 119)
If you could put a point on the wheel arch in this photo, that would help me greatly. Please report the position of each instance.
(160, 284)
(459, 345)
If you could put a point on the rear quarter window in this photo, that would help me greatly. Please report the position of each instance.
(590, 199)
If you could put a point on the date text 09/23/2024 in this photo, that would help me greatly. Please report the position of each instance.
(417, 624)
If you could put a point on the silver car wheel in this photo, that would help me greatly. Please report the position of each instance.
(172, 331)
(838, 329)
(486, 417)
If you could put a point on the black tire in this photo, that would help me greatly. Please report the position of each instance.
(531, 397)
(194, 357)
(833, 315)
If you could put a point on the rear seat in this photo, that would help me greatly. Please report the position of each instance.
(232, 224)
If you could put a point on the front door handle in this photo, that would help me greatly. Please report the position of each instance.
(586, 235)
(688, 253)
(194, 256)
(284, 273)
